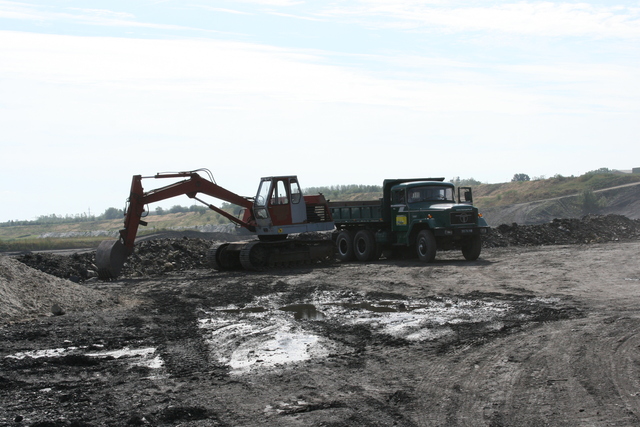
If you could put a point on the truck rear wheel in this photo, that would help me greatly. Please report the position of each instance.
(344, 246)
(364, 246)
(426, 246)
(472, 248)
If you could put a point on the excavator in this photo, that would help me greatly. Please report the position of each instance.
(278, 210)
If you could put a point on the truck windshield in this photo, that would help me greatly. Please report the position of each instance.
(431, 193)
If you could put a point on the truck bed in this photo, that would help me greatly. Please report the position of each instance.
(356, 212)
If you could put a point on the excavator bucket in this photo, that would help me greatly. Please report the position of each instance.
(110, 257)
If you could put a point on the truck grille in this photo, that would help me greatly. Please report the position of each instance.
(463, 218)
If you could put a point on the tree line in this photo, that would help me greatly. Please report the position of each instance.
(108, 214)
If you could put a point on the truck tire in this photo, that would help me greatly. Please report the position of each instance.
(344, 246)
(426, 246)
(471, 249)
(364, 246)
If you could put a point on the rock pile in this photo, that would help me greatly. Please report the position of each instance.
(154, 257)
(589, 229)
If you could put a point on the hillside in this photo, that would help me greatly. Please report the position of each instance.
(537, 202)
(621, 200)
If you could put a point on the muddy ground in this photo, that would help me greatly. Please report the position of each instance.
(524, 336)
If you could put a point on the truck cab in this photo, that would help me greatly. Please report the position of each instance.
(433, 205)
(421, 215)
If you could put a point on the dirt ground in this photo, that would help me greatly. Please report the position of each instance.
(524, 336)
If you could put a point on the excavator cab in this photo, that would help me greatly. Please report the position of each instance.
(279, 205)
(280, 208)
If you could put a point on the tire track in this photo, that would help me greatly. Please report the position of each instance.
(560, 373)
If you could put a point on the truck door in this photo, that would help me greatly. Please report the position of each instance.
(399, 212)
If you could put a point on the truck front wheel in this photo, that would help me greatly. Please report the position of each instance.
(344, 246)
(426, 246)
(472, 248)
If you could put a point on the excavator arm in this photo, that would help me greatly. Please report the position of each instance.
(111, 255)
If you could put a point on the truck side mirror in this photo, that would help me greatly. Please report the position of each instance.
(465, 195)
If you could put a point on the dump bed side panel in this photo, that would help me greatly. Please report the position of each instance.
(356, 212)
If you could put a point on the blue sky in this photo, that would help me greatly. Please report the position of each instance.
(344, 92)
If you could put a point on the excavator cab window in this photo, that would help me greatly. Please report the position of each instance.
(296, 194)
(280, 194)
(263, 193)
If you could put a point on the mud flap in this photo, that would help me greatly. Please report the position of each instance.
(110, 257)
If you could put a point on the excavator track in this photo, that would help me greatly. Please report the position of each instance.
(260, 255)
(225, 256)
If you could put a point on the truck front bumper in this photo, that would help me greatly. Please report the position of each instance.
(460, 231)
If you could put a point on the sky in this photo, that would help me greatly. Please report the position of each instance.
(335, 92)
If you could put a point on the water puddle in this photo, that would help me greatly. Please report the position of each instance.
(304, 312)
(135, 357)
(261, 340)
(37, 354)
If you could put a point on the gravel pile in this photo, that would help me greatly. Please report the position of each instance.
(159, 256)
(27, 293)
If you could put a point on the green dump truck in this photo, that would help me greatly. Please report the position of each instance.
(414, 217)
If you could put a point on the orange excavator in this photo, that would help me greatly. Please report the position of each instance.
(278, 210)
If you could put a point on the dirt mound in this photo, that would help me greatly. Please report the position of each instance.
(150, 257)
(27, 293)
(77, 267)
(589, 229)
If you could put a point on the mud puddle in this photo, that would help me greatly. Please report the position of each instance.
(271, 333)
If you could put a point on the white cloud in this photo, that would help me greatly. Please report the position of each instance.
(103, 13)
(272, 2)
(526, 18)
(100, 17)
(219, 9)
(217, 67)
